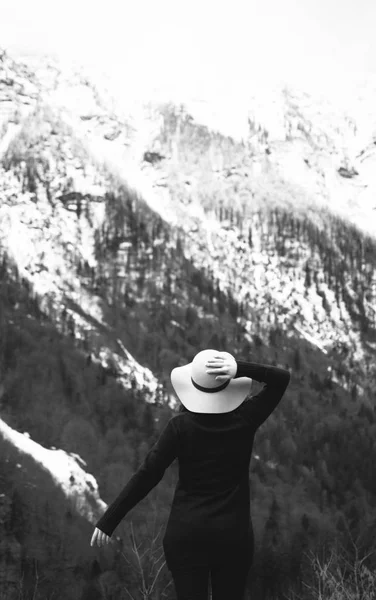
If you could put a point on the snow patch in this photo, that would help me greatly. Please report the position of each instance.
(79, 487)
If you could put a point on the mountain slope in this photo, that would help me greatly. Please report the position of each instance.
(131, 241)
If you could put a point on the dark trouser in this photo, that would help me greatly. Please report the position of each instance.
(227, 581)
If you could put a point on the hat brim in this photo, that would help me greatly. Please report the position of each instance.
(195, 400)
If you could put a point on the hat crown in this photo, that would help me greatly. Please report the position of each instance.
(199, 374)
(192, 384)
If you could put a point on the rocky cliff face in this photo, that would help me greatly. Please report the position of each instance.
(49, 178)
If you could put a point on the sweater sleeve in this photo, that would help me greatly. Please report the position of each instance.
(258, 408)
(151, 471)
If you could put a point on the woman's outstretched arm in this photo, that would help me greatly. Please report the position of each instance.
(151, 471)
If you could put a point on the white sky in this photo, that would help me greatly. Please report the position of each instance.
(202, 43)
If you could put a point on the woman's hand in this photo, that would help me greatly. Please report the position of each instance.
(224, 367)
(99, 537)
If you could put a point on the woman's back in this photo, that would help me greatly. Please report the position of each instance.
(214, 450)
(210, 514)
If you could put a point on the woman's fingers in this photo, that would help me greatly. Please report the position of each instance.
(215, 366)
(104, 539)
(99, 537)
(220, 373)
(94, 538)
(219, 368)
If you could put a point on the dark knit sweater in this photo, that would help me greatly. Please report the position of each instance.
(210, 514)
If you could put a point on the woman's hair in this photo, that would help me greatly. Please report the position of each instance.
(182, 408)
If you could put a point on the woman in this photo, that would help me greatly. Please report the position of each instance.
(209, 530)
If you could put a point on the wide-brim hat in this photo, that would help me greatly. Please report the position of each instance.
(200, 392)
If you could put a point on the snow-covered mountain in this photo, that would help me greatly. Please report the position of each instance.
(114, 209)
